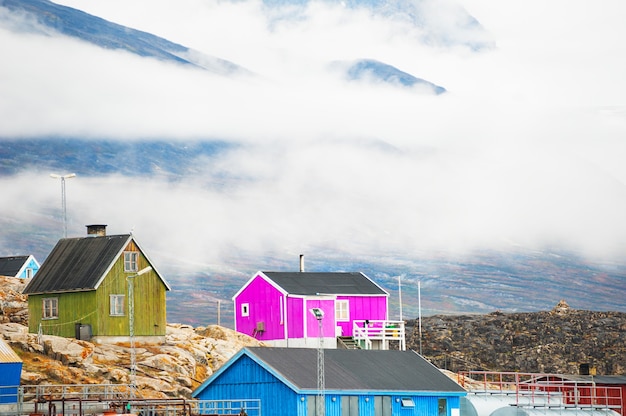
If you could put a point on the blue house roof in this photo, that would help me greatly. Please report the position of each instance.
(15, 266)
(373, 371)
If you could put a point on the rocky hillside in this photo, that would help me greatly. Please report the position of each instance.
(173, 369)
(556, 341)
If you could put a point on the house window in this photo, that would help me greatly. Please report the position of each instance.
(50, 308)
(29, 273)
(443, 407)
(245, 309)
(116, 305)
(130, 261)
(342, 311)
(407, 402)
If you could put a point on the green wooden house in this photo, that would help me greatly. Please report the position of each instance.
(81, 290)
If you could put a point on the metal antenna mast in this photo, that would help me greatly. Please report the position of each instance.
(320, 408)
(131, 330)
(63, 203)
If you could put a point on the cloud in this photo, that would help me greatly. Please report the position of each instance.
(525, 149)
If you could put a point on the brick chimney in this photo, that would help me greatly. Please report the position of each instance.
(96, 230)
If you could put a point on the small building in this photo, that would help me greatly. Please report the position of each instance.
(535, 394)
(23, 267)
(275, 307)
(587, 391)
(10, 373)
(82, 288)
(356, 383)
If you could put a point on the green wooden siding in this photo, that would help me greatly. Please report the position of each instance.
(93, 307)
(73, 308)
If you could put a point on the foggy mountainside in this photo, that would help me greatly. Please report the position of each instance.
(517, 280)
(77, 24)
(431, 141)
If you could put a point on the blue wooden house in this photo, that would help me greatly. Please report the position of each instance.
(10, 373)
(357, 383)
(23, 267)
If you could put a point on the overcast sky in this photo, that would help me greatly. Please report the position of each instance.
(526, 148)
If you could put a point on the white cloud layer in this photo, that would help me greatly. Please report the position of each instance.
(527, 147)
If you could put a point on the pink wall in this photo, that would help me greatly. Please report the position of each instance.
(362, 307)
(265, 300)
(295, 314)
(328, 322)
(264, 306)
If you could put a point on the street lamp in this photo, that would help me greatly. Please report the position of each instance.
(131, 329)
(321, 396)
(63, 205)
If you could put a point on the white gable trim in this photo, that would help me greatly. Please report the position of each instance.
(264, 277)
(26, 263)
(117, 256)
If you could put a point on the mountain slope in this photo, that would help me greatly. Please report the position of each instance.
(458, 27)
(370, 69)
(80, 25)
(105, 34)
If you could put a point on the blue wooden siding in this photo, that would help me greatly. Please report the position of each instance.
(32, 264)
(424, 405)
(245, 379)
(9, 380)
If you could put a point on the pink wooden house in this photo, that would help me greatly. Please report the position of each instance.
(275, 307)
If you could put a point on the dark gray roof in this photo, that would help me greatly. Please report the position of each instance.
(77, 264)
(371, 370)
(10, 266)
(305, 283)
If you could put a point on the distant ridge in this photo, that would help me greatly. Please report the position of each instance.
(105, 34)
(365, 69)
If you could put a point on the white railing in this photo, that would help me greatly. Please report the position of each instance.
(84, 399)
(251, 407)
(381, 332)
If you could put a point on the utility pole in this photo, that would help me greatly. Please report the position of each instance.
(320, 408)
(419, 311)
(131, 329)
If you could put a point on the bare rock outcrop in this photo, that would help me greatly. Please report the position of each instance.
(186, 358)
(13, 304)
(556, 341)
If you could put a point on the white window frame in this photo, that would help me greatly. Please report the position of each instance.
(117, 305)
(245, 309)
(342, 310)
(407, 402)
(130, 261)
(50, 308)
(29, 273)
